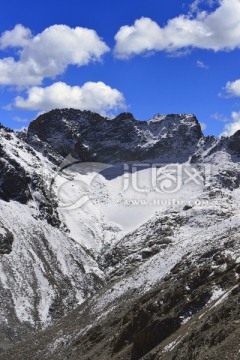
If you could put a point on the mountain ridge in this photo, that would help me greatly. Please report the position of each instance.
(110, 253)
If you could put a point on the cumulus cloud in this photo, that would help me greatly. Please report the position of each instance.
(215, 30)
(97, 97)
(232, 127)
(18, 37)
(47, 54)
(232, 88)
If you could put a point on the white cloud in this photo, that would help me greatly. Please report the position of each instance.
(216, 30)
(20, 120)
(18, 37)
(201, 64)
(231, 128)
(232, 89)
(220, 117)
(203, 126)
(97, 97)
(195, 6)
(47, 54)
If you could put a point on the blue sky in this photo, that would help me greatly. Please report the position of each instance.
(171, 57)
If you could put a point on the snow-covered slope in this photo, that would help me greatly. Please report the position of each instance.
(179, 270)
(103, 210)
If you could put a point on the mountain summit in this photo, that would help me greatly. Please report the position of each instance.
(91, 137)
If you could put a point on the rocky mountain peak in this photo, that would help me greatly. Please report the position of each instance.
(234, 142)
(124, 116)
(120, 139)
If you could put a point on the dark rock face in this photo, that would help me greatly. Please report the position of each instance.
(123, 258)
(6, 240)
(234, 143)
(229, 179)
(14, 181)
(90, 137)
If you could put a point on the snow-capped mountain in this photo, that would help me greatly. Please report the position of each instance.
(119, 238)
(91, 137)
